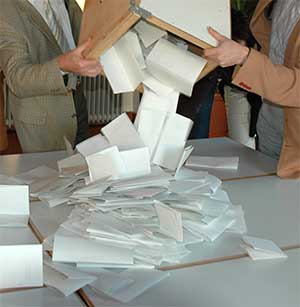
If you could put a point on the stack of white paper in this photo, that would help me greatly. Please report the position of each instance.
(14, 205)
(260, 249)
(21, 266)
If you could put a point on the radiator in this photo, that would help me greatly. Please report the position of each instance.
(103, 106)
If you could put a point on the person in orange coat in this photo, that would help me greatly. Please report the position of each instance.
(276, 83)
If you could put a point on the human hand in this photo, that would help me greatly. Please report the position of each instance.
(227, 53)
(74, 61)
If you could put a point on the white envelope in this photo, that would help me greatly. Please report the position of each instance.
(121, 132)
(21, 266)
(14, 205)
(69, 147)
(106, 164)
(92, 145)
(174, 66)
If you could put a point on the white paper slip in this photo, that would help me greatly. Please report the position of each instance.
(227, 163)
(121, 67)
(172, 141)
(260, 249)
(73, 165)
(185, 155)
(65, 278)
(151, 123)
(149, 34)
(14, 205)
(174, 66)
(72, 248)
(21, 266)
(121, 132)
(143, 280)
(135, 48)
(92, 145)
(161, 104)
(69, 147)
(170, 221)
(109, 282)
(137, 161)
(106, 164)
(58, 280)
(155, 85)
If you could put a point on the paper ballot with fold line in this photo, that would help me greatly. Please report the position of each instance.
(21, 266)
(174, 66)
(14, 205)
(226, 163)
(261, 249)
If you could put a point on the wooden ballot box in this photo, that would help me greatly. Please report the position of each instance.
(106, 21)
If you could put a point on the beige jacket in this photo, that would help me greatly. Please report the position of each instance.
(277, 83)
(42, 108)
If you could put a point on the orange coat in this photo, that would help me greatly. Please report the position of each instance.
(277, 83)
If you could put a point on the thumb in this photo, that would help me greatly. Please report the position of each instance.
(216, 35)
(84, 46)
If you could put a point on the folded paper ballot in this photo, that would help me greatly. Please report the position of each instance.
(172, 141)
(69, 147)
(107, 163)
(72, 165)
(175, 67)
(155, 85)
(170, 221)
(21, 266)
(121, 64)
(14, 205)
(121, 132)
(71, 248)
(92, 145)
(227, 163)
(261, 249)
(65, 278)
(148, 33)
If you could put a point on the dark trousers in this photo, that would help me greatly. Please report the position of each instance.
(198, 106)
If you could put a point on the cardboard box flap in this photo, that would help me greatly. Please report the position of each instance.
(105, 21)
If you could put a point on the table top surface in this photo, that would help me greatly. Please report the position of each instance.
(251, 163)
(272, 209)
(236, 283)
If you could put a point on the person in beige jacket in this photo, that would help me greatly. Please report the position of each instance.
(279, 84)
(35, 66)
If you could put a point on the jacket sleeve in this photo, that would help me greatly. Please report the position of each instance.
(277, 83)
(24, 78)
